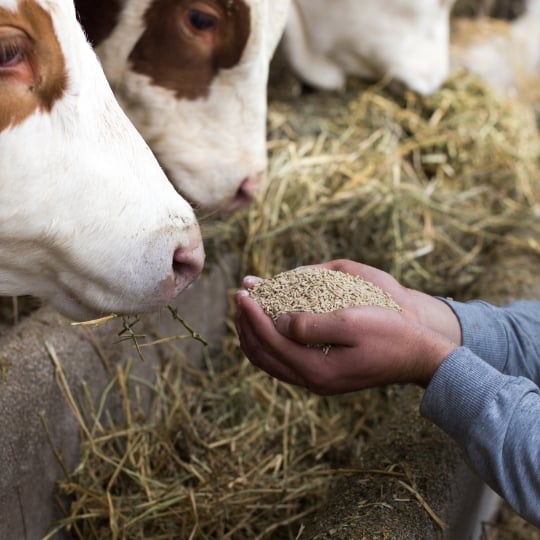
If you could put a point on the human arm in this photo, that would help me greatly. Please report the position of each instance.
(485, 395)
(495, 419)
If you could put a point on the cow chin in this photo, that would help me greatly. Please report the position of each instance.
(221, 193)
(79, 309)
(76, 309)
(83, 300)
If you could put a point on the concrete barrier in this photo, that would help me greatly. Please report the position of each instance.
(30, 395)
(415, 486)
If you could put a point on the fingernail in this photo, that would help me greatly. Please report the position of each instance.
(282, 323)
(249, 281)
(240, 293)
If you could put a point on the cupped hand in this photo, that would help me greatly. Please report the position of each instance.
(370, 346)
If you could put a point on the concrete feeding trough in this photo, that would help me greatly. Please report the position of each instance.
(36, 419)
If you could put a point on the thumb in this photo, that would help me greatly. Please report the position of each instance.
(335, 327)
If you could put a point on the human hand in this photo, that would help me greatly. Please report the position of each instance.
(371, 346)
(417, 306)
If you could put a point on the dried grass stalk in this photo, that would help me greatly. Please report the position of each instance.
(234, 455)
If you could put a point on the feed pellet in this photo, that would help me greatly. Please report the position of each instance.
(317, 290)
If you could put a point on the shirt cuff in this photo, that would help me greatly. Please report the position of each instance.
(482, 330)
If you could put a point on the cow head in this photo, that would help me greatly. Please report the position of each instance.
(407, 40)
(192, 76)
(410, 41)
(88, 219)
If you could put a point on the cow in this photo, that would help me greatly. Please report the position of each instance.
(88, 219)
(504, 54)
(406, 40)
(192, 76)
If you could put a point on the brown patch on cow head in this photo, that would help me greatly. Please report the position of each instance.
(98, 18)
(187, 42)
(32, 66)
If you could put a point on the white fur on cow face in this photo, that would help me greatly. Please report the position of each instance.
(325, 40)
(208, 145)
(87, 218)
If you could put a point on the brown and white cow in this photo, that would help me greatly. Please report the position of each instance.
(88, 219)
(408, 40)
(192, 77)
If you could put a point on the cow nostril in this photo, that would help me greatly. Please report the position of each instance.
(397, 87)
(187, 264)
(246, 192)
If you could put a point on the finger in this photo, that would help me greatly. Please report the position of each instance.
(253, 323)
(254, 314)
(341, 327)
(249, 281)
(264, 331)
(334, 328)
(261, 354)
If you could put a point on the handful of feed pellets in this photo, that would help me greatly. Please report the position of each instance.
(317, 290)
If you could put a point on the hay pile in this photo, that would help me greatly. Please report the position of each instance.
(229, 454)
(423, 188)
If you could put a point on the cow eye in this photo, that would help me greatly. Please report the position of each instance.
(200, 20)
(11, 52)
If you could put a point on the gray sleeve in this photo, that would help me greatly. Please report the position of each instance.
(507, 338)
(495, 418)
